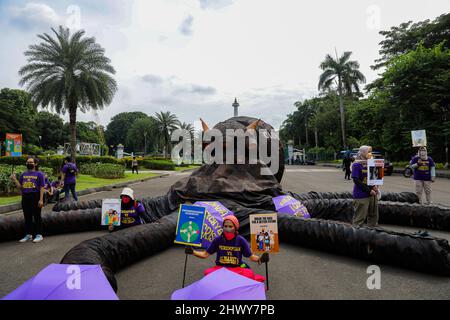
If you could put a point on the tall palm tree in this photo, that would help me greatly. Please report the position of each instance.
(188, 127)
(343, 74)
(68, 72)
(166, 123)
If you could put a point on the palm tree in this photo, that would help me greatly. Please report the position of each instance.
(166, 123)
(68, 72)
(188, 127)
(344, 74)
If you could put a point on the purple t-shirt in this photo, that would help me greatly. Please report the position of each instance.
(32, 181)
(423, 171)
(359, 172)
(229, 253)
(132, 217)
(70, 177)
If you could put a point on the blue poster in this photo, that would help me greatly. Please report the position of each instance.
(190, 225)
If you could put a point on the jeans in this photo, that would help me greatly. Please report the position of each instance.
(71, 188)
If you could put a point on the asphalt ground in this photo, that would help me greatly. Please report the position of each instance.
(294, 273)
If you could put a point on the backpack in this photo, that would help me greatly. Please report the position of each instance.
(71, 171)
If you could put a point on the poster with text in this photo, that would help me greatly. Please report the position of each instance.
(190, 225)
(111, 211)
(264, 233)
(375, 172)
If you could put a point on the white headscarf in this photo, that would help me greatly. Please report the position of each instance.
(362, 154)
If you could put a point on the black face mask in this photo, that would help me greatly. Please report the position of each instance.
(30, 166)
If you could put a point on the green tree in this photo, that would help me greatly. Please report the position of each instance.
(50, 128)
(17, 115)
(166, 123)
(142, 135)
(117, 130)
(409, 35)
(344, 75)
(69, 72)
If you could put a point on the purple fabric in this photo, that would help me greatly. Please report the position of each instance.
(222, 285)
(423, 172)
(229, 253)
(287, 204)
(212, 227)
(132, 217)
(52, 284)
(69, 178)
(359, 172)
(32, 181)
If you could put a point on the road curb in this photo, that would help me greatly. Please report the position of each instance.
(18, 206)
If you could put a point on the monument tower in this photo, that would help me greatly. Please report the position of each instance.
(236, 108)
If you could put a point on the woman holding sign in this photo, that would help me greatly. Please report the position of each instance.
(32, 184)
(424, 173)
(230, 247)
(365, 196)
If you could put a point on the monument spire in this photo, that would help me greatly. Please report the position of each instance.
(236, 107)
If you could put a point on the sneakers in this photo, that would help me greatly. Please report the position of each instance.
(38, 238)
(27, 238)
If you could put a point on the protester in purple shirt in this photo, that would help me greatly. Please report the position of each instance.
(230, 247)
(69, 180)
(424, 173)
(365, 197)
(32, 184)
(132, 211)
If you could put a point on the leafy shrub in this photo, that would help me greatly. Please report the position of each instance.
(5, 172)
(158, 164)
(109, 171)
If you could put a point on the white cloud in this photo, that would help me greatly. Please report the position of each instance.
(34, 15)
(186, 26)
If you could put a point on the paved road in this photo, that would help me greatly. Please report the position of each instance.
(296, 273)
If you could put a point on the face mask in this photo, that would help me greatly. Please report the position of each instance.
(229, 235)
(30, 166)
(369, 155)
(126, 200)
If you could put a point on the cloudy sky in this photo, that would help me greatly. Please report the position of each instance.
(193, 57)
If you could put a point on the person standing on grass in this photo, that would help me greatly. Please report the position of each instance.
(424, 174)
(69, 179)
(134, 165)
(365, 197)
(32, 184)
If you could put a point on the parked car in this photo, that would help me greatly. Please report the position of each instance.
(388, 166)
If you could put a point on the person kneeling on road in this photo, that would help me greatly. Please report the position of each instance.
(230, 247)
(131, 210)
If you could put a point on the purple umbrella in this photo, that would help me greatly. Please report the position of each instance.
(222, 285)
(213, 221)
(287, 204)
(66, 282)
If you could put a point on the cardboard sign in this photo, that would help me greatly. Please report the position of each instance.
(111, 211)
(419, 138)
(190, 225)
(264, 233)
(375, 172)
(13, 145)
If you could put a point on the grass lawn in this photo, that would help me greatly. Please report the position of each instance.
(87, 182)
